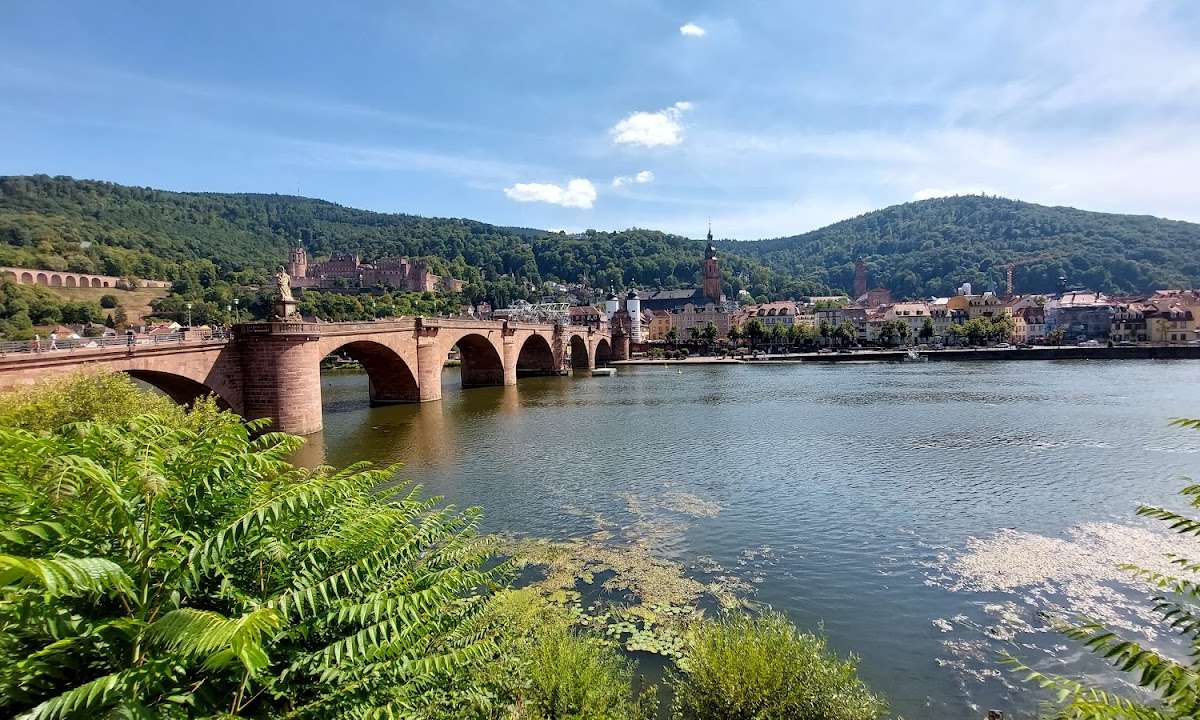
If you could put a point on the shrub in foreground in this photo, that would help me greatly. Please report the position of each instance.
(762, 668)
(101, 395)
(543, 669)
(159, 567)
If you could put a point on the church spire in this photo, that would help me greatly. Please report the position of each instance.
(710, 231)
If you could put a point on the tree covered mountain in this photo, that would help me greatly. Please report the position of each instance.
(62, 223)
(932, 246)
(920, 248)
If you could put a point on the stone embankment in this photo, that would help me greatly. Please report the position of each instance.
(1138, 352)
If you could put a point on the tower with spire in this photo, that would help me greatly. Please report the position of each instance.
(712, 272)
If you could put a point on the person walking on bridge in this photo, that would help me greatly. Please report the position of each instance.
(53, 341)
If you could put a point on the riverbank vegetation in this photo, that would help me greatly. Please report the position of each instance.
(162, 562)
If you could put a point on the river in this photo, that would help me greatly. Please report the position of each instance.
(851, 496)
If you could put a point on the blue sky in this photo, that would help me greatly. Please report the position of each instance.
(772, 118)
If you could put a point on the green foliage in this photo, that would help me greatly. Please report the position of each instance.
(23, 306)
(176, 565)
(930, 247)
(1175, 684)
(101, 396)
(762, 667)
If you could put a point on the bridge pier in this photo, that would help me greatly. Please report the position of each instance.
(281, 380)
(511, 353)
(429, 369)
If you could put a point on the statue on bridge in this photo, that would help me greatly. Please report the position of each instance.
(283, 285)
(285, 304)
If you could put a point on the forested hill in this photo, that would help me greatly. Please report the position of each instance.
(932, 246)
(921, 248)
(62, 223)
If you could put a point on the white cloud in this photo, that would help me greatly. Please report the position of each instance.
(650, 129)
(927, 193)
(579, 193)
(692, 30)
(643, 177)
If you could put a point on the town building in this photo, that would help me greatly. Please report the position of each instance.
(660, 325)
(1029, 318)
(348, 271)
(1082, 315)
(913, 314)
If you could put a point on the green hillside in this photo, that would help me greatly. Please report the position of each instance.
(62, 223)
(920, 248)
(932, 246)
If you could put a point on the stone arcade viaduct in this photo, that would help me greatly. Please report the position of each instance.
(272, 370)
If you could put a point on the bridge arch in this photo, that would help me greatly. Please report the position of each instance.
(603, 352)
(536, 357)
(389, 378)
(56, 280)
(71, 282)
(27, 278)
(42, 279)
(481, 363)
(95, 282)
(183, 390)
(580, 357)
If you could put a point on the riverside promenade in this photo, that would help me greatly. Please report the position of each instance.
(1066, 352)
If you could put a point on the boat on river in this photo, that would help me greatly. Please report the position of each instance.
(914, 356)
(604, 372)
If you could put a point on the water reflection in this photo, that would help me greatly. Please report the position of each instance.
(846, 482)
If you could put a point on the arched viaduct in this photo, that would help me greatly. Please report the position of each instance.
(56, 278)
(272, 370)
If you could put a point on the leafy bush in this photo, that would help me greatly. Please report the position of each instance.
(177, 566)
(103, 396)
(544, 670)
(109, 301)
(1175, 683)
(762, 667)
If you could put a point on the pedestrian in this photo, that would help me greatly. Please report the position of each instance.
(129, 339)
(53, 341)
(37, 343)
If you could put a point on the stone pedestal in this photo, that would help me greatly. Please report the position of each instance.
(286, 310)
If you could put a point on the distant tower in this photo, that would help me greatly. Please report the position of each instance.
(712, 272)
(611, 305)
(633, 306)
(860, 278)
(297, 266)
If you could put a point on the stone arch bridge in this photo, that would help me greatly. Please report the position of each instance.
(272, 370)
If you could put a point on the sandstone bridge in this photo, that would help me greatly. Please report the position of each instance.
(272, 370)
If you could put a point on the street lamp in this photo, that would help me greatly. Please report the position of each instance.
(236, 302)
(189, 307)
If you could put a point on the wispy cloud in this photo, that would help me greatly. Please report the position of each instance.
(692, 30)
(641, 178)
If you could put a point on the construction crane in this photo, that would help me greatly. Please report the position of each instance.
(1012, 264)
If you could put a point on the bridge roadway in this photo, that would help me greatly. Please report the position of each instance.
(272, 369)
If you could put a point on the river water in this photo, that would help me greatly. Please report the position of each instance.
(849, 495)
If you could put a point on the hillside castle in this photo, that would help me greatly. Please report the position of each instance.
(342, 271)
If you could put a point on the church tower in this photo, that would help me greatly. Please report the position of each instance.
(712, 273)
